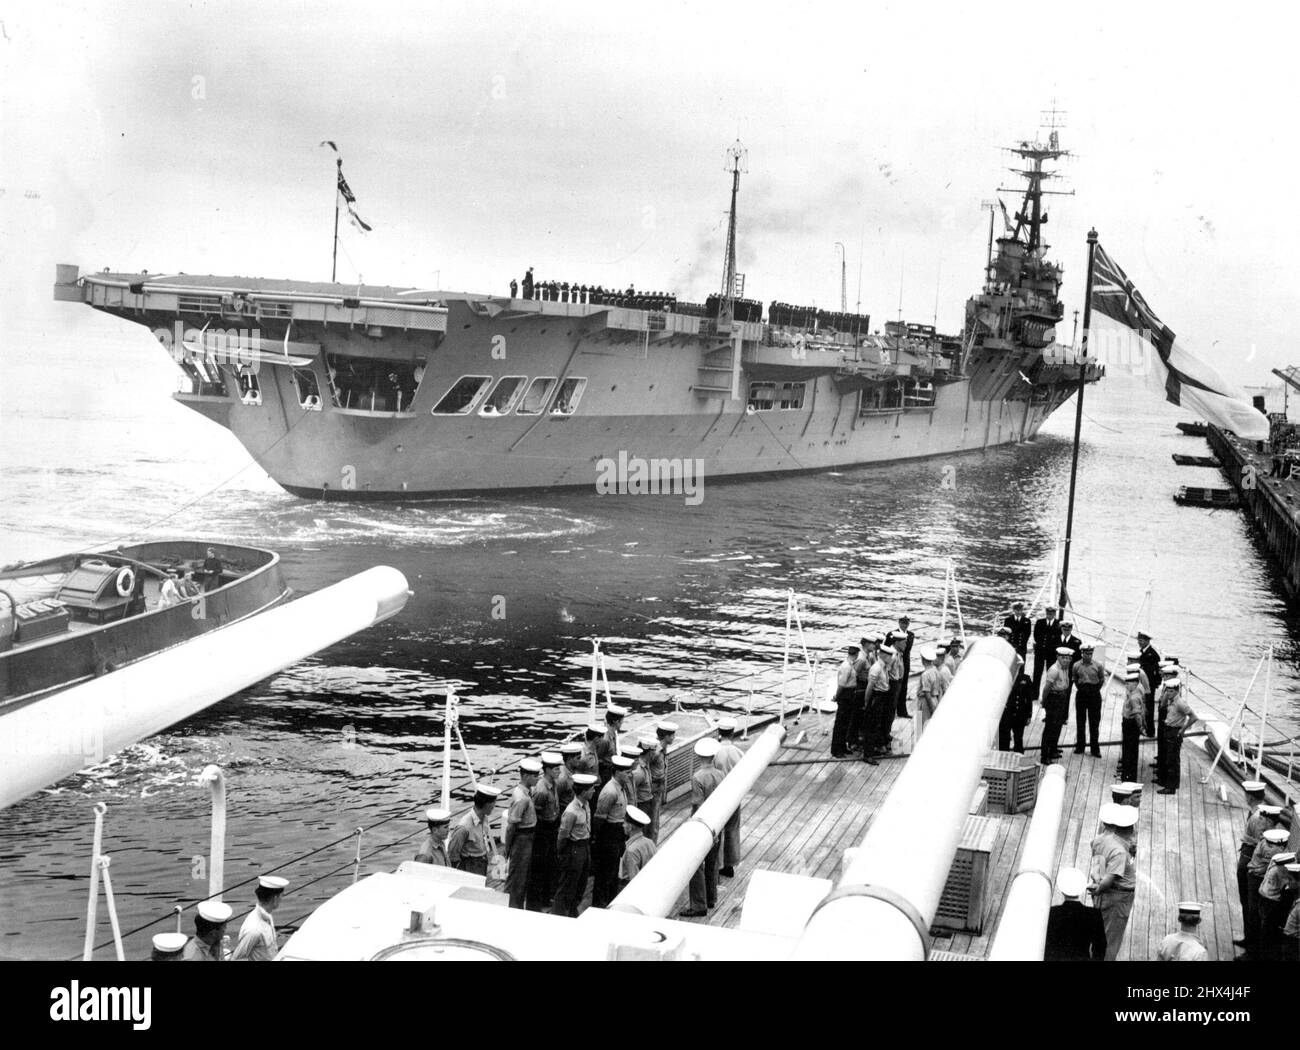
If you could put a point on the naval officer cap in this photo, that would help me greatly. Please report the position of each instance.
(1118, 816)
(437, 815)
(1254, 787)
(638, 816)
(1143, 634)
(1064, 650)
(613, 712)
(631, 748)
(621, 762)
(665, 728)
(530, 765)
(571, 748)
(169, 943)
(706, 747)
(552, 758)
(1071, 882)
(272, 882)
(216, 911)
(1277, 836)
(584, 780)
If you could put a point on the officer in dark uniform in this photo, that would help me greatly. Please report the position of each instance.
(1047, 636)
(1015, 715)
(1020, 627)
(528, 283)
(1149, 661)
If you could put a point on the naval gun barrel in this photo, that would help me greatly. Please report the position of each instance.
(46, 740)
(655, 889)
(1023, 928)
(886, 899)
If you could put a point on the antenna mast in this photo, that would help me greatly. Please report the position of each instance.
(737, 158)
(844, 286)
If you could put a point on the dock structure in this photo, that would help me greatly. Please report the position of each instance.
(808, 808)
(1272, 500)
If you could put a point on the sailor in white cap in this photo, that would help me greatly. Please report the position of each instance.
(846, 704)
(902, 640)
(589, 760)
(704, 782)
(470, 844)
(167, 947)
(1291, 928)
(1178, 718)
(727, 758)
(665, 734)
(897, 671)
(546, 801)
(570, 752)
(1131, 720)
(1256, 824)
(607, 831)
(640, 751)
(1277, 892)
(1149, 660)
(573, 847)
(879, 706)
(434, 848)
(210, 919)
(928, 690)
(1018, 629)
(1087, 677)
(1113, 873)
(1075, 932)
(1047, 636)
(1056, 702)
(941, 665)
(607, 745)
(1272, 840)
(639, 849)
(1166, 671)
(1183, 945)
(521, 825)
(257, 941)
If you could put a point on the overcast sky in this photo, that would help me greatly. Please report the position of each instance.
(588, 142)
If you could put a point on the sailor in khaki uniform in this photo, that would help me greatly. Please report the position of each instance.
(1112, 872)
(209, 928)
(589, 760)
(434, 848)
(257, 935)
(727, 758)
(1178, 718)
(665, 734)
(639, 849)
(1272, 840)
(1277, 892)
(928, 689)
(607, 831)
(607, 745)
(546, 800)
(1183, 945)
(569, 753)
(705, 781)
(470, 844)
(642, 795)
(1256, 825)
(573, 847)
(521, 825)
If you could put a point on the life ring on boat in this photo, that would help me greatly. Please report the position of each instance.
(125, 581)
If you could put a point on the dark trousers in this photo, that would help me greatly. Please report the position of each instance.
(1009, 730)
(704, 883)
(900, 696)
(1150, 703)
(1128, 755)
(1040, 665)
(857, 717)
(1171, 766)
(541, 872)
(844, 710)
(607, 850)
(1087, 708)
(1272, 915)
(521, 856)
(575, 863)
(731, 841)
(880, 719)
(1249, 919)
(474, 865)
(1055, 706)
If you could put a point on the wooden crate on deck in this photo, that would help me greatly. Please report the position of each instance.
(965, 895)
(1012, 781)
(979, 803)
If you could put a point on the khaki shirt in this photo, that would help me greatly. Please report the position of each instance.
(1134, 702)
(1111, 856)
(727, 757)
(642, 789)
(546, 801)
(612, 804)
(196, 951)
(878, 679)
(469, 838)
(1254, 829)
(589, 760)
(1264, 851)
(945, 678)
(895, 667)
(1277, 880)
(636, 855)
(846, 674)
(432, 852)
(522, 811)
(1057, 680)
(704, 782)
(1178, 714)
(563, 788)
(657, 763)
(1089, 673)
(256, 938)
(575, 822)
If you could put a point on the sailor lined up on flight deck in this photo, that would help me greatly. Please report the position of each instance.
(210, 920)
(1277, 893)
(546, 801)
(704, 781)
(573, 847)
(727, 758)
(607, 831)
(521, 824)
(434, 848)
(1183, 945)
(257, 935)
(1256, 824)
(639, 849)
(1112, 871)
(665, 733)
(470, 844)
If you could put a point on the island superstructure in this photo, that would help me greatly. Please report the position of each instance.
(383, 393)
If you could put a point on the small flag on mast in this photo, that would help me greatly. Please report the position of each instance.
(346, 197)
(1187, 379)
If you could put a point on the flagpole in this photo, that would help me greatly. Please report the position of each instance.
(1078, 419)
(334, 265)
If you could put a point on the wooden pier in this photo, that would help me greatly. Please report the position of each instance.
(807, 809)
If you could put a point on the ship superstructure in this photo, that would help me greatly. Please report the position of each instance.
(365, 392)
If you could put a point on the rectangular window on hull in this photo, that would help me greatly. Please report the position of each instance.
(570, 393)
(503, 396)
(462, 397)
(304, 381)
(791, 396)
(373, 384)
(539, 393)
(762, 396)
